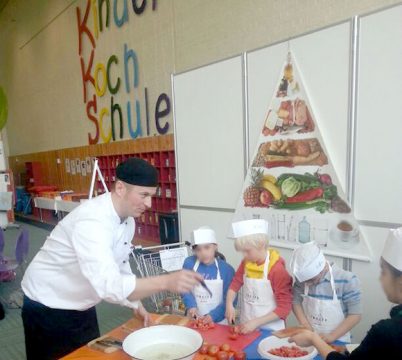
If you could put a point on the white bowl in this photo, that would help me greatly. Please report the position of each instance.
(272, 342)
(163, 342)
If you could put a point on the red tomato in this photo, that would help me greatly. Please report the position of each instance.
(240, 355)
(225, 347)
(222, 355)
(213, 350)
(233, 336)
(235, 329)
(201, 324)
(204, 349)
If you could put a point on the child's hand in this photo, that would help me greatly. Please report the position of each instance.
(248, 327)
(307, 326)
(303, 338)
(328, 338)
(230, 314)
(208, 319)
(193, 313)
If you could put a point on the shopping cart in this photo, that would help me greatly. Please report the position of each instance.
(159, 260)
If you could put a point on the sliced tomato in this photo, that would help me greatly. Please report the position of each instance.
(203, 350)
(222, 355)
(225, 347)
(233, 336)
(240, 355)
(213, 350)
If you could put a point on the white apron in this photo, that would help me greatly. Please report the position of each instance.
(258, 300)
(324, 315)
(206, 303)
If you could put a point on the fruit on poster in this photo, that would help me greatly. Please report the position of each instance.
(291, 191)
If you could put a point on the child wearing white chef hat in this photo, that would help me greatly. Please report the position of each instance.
(384, 339)
(217, 274)
(266, 296)
(326, 298)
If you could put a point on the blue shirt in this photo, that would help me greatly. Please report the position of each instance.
(347, 287)
(209, 272)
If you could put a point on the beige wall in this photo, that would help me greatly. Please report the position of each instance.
(40, 69)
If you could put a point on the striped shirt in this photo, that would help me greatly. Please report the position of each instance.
(347, 287)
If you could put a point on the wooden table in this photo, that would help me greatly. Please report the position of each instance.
(120, 333)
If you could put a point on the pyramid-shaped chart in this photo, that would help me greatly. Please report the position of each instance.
(291, 181)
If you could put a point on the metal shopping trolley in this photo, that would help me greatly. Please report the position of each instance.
(159, 260)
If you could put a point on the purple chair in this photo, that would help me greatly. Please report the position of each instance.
(22, 247)
(1, 243)
(8, 266)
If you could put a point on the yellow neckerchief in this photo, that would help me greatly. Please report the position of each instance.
(255, 271)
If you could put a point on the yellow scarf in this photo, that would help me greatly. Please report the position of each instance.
(255, 271)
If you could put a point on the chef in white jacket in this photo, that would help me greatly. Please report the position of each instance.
(85, 260)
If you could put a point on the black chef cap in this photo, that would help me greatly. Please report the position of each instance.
(137, 171)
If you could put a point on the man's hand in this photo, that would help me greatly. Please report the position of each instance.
(182, 281)
(143, 314)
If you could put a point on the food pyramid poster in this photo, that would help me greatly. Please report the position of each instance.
(291, 181)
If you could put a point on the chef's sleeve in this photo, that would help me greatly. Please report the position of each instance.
(91, 240)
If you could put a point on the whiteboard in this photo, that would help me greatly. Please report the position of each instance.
(323, 59)
(208, 111)
(378, 172)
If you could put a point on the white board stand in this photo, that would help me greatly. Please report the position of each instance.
(95, 171)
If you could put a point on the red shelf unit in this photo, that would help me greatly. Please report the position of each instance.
(165, 201)
(33, 172)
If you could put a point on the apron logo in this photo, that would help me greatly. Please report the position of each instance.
(203, 297)
(319, 318)
(252, 297)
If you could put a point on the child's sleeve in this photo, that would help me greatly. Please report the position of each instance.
(297, 292)
(237, 281)
(351, 296)
(282, 287)
(227, 273)
(188, 298)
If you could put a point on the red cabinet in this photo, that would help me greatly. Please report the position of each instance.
(33, 172)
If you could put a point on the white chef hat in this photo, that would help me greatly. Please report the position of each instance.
(392, 252)
(203, 235)
(307, 261)
(250, 227)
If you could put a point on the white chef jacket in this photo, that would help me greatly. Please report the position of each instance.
(84, 260)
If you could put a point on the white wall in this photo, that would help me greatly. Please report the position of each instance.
(375, 305)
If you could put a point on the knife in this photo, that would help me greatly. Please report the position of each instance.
(232, 326)
(205, 286)
(112, 343)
